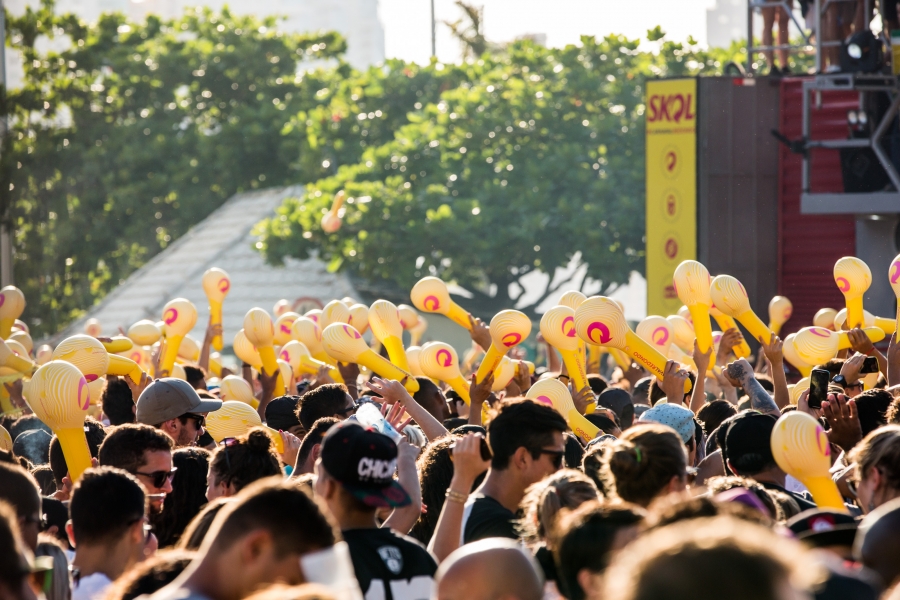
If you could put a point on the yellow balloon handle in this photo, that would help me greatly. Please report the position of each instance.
(388, 370)
(575, 367)
(825, 492)
(75, 450)
(489, 363)
(855, 315)
(702, 326)
(649, 356)
(725, 322)
(755, 326)
(122, 366)
(215, 315)
(270, 364)
(394, 347)
(173, 342)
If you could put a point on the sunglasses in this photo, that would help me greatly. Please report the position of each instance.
(199, 420)
(556, 457)
(227, 443)
(350, 409)
(158, 478)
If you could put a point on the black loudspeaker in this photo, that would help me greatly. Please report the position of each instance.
(861, 53)
(861, 171)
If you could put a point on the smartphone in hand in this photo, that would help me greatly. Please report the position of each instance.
(818, 387)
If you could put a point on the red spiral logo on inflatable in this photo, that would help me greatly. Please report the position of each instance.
(447, 360)
(663, 338)
(83, 388)
(285, 329)
(894, 277)
(514, 338)
(435, 303)
(822, 442)
(843, 284)
(820, 331)
(605, 336)
(570, 330)
(224, 285)
(352, 332)
(91, 377)
(544, 400)
(2, 299)
(171, 316)
(285, 356)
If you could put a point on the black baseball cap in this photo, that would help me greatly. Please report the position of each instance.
(281, 413)
(748, 444)
(824, 527)
(363, 461)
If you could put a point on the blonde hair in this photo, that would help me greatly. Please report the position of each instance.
(543, 501)
(880, 449)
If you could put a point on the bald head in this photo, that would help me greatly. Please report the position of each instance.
(877, 543)
(490, 569)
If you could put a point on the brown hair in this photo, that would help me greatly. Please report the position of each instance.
(640, 464)
(565, 489)
(124, 447)
(150, 575)
(252, 456)
(880, 449)
(196, 531)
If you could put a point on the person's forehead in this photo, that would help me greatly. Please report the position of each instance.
(559, 440)
(157, 460)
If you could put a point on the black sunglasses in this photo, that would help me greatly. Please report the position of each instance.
(350, 409)
(158, 478)
(556, 456)
(199, 420)
(229, 441)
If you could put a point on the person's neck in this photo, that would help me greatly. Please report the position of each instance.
(309, 466)
(213, 578)
(354, 519)
(504, 487)
(774, 475)
(106, 559)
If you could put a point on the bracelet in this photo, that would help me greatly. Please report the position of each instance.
(454, 496)
(561, 376)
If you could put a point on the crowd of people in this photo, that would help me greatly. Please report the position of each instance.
(679, 496)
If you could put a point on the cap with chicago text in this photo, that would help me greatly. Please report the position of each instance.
(363, 461)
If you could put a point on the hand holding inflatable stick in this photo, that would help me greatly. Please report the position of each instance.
(853, 278)
(731, 298)
(439, 361)
(553, 393)
(430, 295)
(509, 328)
(179, 316)
(691, 280)
(216, 285)
(558, 328)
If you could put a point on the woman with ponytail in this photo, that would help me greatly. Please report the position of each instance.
(647, 462)
(238, 462)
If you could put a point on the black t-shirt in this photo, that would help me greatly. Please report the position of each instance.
(802, 501)
(488, 518)
(390, 566)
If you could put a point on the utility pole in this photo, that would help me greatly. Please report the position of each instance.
(6, 259)
(433, 29)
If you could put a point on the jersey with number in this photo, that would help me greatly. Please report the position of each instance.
(390, 566)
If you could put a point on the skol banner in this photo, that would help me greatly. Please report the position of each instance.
(671, 112)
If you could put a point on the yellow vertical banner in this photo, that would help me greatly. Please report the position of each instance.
(671, 113)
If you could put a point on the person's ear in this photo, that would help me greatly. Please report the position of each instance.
(521, 457)
(255, 545)
(316, 450)
(170, 425)
(70, 533)
(586, 581)
(877, 479)
(137, 533)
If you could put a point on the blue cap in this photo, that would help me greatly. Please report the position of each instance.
(677, 417)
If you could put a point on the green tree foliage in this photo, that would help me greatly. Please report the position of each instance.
(535, 160)
(136, 132)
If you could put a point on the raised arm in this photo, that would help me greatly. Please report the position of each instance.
(702, 360)
(774, 352)
(741, 373)
(393, 392)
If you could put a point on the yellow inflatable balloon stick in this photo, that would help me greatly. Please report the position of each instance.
(691, 280)
(24, 338)
(17, 362)
(6, 442)
(825, 318)
(780, 311)
(384, 320)
(731, 298)
(281, 307)
(59, 396)
(144, 333)
(12, 305)
(430, 295)
(216, 285)
(599, 320)
(284, 324)
(359, 318)
(440, 361)
(235, 419)
(853, 278)
(298, 356)
(179, 316)
(509, 328)
(236, 388)
(558, 328)
(791, 355)
(556, 395)
(260, 331)
(334, 312)
(802, 450)
(344, 343)
(817, 345)
(412, 355)
(245, 350)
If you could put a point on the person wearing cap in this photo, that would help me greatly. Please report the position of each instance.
(619, 401)
(355, 478)
(174, 407)
(281, 415)
(680, 419)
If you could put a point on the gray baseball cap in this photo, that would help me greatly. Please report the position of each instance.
(169, 398)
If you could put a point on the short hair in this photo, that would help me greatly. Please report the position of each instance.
(194, 375)
(27, 423)
(521, 423)
(105, 502)
(640, 464)
(607, 426)
(118, 402)
(620, 402)
(703, 559)
(324, 401)
(44, 477)
(592, 465)
(19, 488)
(747, 449)
(879, 449)
(598, 383)
(150, 575)
(574, 451)
(872, 406)
(14, 567)
(195, 533)
(250, 457)
(314, 436)
(126, 445)
(712, 414)
(567, 489)
(723, 483)
(188, 494)
(833, 367)
(93, 432)
(584, 539)
(675, 509)
(295, 520)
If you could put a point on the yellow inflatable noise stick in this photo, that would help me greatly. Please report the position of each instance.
(853, 278)
(797, 390)
(298, 356)
(801, 448)
(331, 221)
(235, 419)
(6, 442)
(869, 320)
(144, 333)
(179, 316)
(124, 367)
(730, 297)
(260, 331)
(790, 354)
(418, 330)
(894, 278)
(682, 332)
(44, 352)
(245, 350)
(12, 304)
(726, 322)
(780, 311)
(236, 388)
(344, 343)
(93, 327)
(440, 361)
(691, 280)
(412, 355)
(334, 312)
(59, 396)
(216, 285)
(504, 373)
(284, 327)
(281, 307)
(24, 338)
(556, 395)
(409, 318)
(384, 320)
(10, 359)
(817, 345)
(825, 318)
(599, 320)
(430, 295)
(657, 331)
(313, 315)
(558, 328)
(118, 344)
(359, 318)
(509, 328)
(572, 299)
(307, 332)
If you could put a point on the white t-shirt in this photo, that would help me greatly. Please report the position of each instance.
(91, 587)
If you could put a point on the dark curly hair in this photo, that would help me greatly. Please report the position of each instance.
(248, 458)
(188, 494)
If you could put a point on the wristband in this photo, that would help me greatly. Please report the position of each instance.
(454, 496)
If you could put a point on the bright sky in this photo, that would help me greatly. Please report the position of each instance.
(408, 30)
